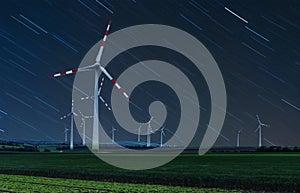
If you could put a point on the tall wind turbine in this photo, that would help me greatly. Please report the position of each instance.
(162, 133)
(238, 138)
(259, 128)
(97, 68)
(71, 114)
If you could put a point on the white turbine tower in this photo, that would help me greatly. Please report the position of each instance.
(259, 128)
(71, 114)
(97, 68)
(162, 133)
(238, 138)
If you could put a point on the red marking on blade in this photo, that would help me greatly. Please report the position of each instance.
(52, 76)
(109, 22)
(74, 71)
(113, 81)
(63, 73)
(106, 32)
(122, 90)
(103, 43)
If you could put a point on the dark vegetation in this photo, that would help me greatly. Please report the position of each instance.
(278, 149)
(247, 171)
(14, 147)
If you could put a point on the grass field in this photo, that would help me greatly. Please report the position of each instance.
(17, 183)
(269, 172)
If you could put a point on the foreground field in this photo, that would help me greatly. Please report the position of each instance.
(16, 183)
(269, 172)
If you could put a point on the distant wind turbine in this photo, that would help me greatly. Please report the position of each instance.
(139, 133)
(259, 129)
(66, 134)
(162, 133)
(149, 131)
(238, 138)
(71, 114)
(83, 118)
(113, 134)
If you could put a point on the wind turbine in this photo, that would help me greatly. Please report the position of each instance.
(139, 133)
(71, 114)
(238, 138)
(113, 134)
(162, 133)
(149, 131)
(259, 128)
(83, 117)
(66, 134)
(97, 68)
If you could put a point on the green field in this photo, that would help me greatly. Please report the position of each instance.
(256, 171)
(17, 183)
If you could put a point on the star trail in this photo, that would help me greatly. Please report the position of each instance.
(255, 43)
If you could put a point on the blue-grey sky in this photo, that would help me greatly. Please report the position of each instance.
(255, 43)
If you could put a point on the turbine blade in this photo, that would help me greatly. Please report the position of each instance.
(257, 128)
(64, 73)
(80, 113)
(100, 87)
(98, 58)
(87, 68)
(65, 116)
(105, 103)
(258, 119)
(114, 82)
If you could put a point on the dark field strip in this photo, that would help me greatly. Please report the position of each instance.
(269, 172)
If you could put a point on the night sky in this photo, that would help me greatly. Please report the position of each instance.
(257, 51)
